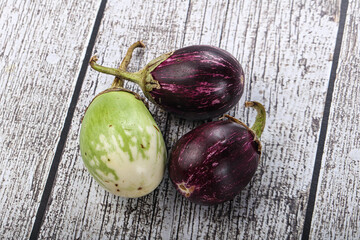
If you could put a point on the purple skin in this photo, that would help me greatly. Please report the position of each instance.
(198, 82)
(214, 162)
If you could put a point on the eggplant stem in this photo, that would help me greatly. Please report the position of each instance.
(259, 124)
(118, 82)
(143, 77)
(136, 77)
(233, 120)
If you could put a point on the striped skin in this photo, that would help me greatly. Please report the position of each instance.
(121, 145)
(214, 162)
(198, 82)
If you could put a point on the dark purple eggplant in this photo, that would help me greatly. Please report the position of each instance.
(195, 82)
(212, 163)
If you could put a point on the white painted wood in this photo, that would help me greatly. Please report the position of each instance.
(42, 44)
(79, 207)
(337, 208)
(284, 48)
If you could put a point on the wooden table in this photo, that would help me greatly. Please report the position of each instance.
(301, 60)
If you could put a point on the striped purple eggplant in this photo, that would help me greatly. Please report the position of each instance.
(195, 82)
(212, 163)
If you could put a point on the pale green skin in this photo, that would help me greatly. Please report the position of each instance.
(121, 145)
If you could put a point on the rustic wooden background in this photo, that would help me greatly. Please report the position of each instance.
(301, 59)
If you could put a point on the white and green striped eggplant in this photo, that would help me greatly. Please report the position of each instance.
(121, 144)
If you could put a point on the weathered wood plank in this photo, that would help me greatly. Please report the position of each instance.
(284, 48)
(80, 208)
(42, 47)
(337, 207)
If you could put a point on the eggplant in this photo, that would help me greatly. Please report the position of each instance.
(212, 163)
(120, 142)
(196, 82)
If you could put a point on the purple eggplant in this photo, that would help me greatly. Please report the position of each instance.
(195, 82)
(212, 163)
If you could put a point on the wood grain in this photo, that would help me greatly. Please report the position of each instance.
(80, 208)
(287, 68)
(42, 45)
(338, 197)
(284, 48)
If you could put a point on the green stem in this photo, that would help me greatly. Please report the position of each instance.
(136, 77)
(259, 125)
(118, 82)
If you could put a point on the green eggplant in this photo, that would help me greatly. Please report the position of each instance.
(121, 144)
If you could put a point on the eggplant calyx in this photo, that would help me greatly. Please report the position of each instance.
(258, 127)
(156, 62)
(149, 83)
(143, 78)
(235, 120)
(119, 89)
(252, 132)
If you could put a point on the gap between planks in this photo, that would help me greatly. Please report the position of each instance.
(65, 130)
(324, 123)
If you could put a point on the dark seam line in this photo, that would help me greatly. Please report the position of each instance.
(154, 197)
(106, 198)
(253, 59)
(224, 23)
(64, 133)
(138, 217)
(180, 215)
(324, 124)
(203, 22)
(186, 22)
